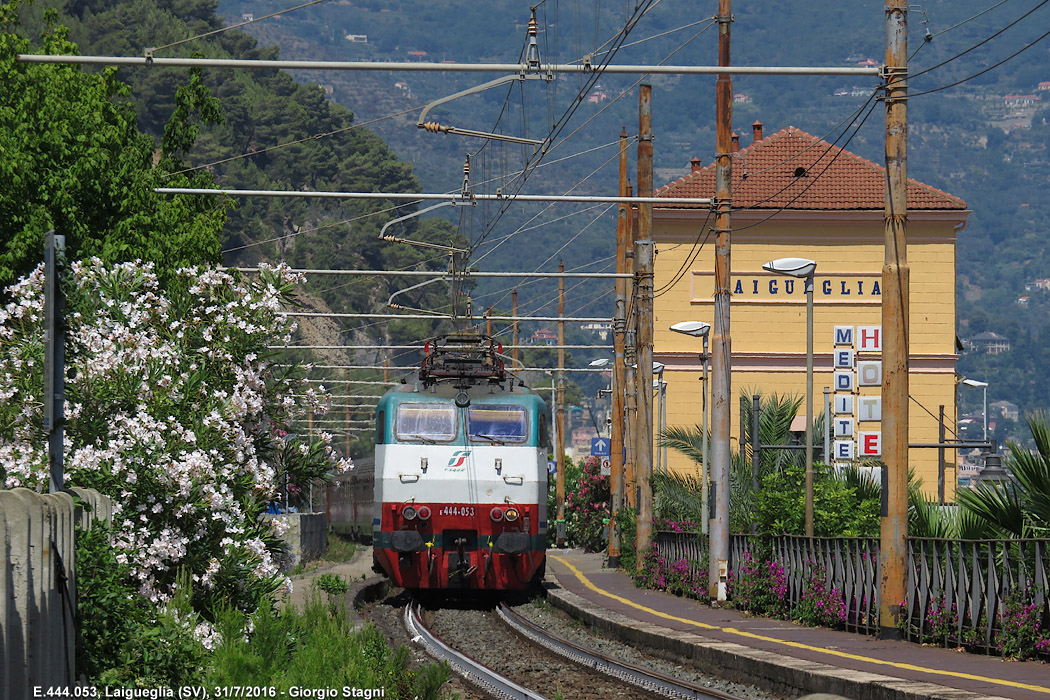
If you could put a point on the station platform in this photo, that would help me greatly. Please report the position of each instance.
(781, 657)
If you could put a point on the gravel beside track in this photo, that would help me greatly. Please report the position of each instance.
(557, 622)
(482, 636)
(464, 627)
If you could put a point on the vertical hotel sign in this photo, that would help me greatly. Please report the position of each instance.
(857, 403)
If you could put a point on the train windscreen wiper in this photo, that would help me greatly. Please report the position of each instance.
(424, 438)
(489, 438)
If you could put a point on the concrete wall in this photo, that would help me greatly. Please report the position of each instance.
(38, 585)
(306, 538)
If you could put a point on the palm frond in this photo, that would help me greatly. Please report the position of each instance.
(862, 482)
(998, 504)
(928, 518)
(688, 441)
(679, 496)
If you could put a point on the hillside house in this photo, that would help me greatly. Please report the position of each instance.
(990, 343)
(1041, 285)
(544, 336)
(1006, 409)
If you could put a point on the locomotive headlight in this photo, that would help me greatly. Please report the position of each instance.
(512, 515)
(409, 513)
(496, 514)
(424, 512)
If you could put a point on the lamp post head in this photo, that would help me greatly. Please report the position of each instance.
(600, 362)
(697, 329)
(792, 267)
(974, 383)
(658, 367)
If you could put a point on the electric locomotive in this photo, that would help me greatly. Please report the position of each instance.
(461, 473)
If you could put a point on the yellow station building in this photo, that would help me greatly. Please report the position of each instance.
(795, 195)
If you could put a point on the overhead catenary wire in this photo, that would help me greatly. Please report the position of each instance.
(151, 51)
(982, 72)
(979, 44)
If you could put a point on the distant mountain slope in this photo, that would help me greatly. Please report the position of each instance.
(985, 140)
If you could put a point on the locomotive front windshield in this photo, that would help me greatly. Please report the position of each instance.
(426, 421)
(497, 423)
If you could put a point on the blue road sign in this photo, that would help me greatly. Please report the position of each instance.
(552, 466)
(600, 447)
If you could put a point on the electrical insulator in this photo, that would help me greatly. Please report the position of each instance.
(434, 127)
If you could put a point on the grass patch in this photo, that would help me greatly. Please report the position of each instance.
(340, 548)
(311, 648)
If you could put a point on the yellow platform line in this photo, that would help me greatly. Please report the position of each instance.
(798, 645)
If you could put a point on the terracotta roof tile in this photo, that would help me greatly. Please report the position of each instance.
(795, 170)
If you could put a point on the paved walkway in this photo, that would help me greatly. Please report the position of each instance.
(353, 571)
(782, 653)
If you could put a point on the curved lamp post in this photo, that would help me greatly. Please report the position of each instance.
(699, 329)
(984, 412)
(803, 268)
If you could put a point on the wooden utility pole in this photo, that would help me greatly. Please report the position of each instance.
(488, 321)
(514, 327)
(893, 548)
(616, 452)
(630, 375)
(718, 565)
(560, 447)
(643, 274)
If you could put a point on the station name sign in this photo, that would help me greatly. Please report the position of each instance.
(761, 286)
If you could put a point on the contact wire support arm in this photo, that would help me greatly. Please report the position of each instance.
(435, 127)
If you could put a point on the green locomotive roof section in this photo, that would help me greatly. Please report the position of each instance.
(445, 395)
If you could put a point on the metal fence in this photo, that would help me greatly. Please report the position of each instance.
(967, 584)
(957, 589)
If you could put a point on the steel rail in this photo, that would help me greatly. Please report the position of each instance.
(465, 666)
(635, 675)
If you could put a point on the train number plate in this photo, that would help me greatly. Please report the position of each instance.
(467, 511)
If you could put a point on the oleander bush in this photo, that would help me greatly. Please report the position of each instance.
(175, 409)
(587, 507)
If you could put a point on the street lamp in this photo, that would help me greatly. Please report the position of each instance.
(699, 329)
(660, 386)
(803, 268)
(984, 411)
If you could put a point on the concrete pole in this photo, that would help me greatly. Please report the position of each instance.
(560, 447)
(643, 274)
(809, 405)
(718, 565)
(55, 360)
(893, 551)
(616, 456)
(705, 469)
(827, 425)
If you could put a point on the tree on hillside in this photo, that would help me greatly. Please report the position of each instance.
(72, 160)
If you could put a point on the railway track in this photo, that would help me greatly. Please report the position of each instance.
(550, 666)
